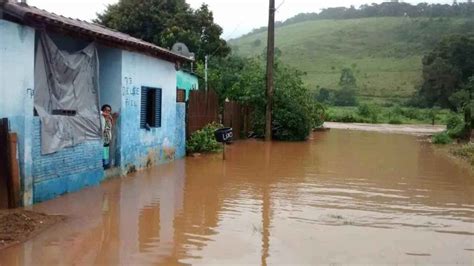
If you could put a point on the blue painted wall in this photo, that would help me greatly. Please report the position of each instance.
(122, 74)
(65, 171)
(110, 77)
(187, 81)
(141, 148)
(180, 135)
(17, 91)
(110, 82)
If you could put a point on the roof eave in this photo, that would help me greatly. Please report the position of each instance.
(41, 22)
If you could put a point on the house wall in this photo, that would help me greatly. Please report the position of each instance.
(141, 148)
(73, 168)
(110, 82)
(17, 91)
(110, 73)
(186, 81)
(122, 74)
(180, 135)
(68, 170)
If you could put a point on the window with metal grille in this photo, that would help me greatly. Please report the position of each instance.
(64, 112)
(180, 95)
(150, 113)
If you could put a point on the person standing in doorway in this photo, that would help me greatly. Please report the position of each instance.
(107, 123)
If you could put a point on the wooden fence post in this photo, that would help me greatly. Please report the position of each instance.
(14, 178)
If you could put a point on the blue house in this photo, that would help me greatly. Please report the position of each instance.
(137, 79)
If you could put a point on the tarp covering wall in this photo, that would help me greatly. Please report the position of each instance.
(66, 95)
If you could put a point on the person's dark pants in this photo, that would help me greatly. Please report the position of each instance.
(106, 156)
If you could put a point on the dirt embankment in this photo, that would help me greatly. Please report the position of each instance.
(19, 225)
(462, 152)
(419, 130)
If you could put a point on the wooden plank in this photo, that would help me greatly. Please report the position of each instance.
(14, 177)
(4, 171)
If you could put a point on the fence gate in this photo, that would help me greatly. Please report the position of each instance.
(203, 108)
(4, 166)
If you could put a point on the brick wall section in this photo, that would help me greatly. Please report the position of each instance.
(65, 171)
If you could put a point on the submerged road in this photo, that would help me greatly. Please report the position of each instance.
(351, 197)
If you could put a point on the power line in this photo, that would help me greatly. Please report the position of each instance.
(238, 26)
(278, 7)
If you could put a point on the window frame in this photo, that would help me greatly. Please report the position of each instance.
(151, 99)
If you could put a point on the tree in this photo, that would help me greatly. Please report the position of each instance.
(347, 79)
(346, 95)
(446, 71)
(325, 96)
(468, 109)
(164, 23)
(295, 111)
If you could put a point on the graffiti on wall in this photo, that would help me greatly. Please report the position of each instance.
(130, 93)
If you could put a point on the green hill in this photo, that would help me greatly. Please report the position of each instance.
(385, 53)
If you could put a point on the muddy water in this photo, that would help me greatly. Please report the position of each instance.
(343, 197)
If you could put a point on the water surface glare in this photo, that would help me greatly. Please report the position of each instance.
(342, 197)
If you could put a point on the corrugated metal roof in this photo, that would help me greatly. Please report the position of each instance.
(40, 18)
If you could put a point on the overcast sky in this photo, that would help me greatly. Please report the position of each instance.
(236, 17)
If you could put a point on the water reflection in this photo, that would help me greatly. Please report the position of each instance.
(343, 197)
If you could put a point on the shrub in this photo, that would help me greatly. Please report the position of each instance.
(397, 110)
(292, 114)
(411, 113)
(395, 120)
(441, 138)
(371, 112)
(318, 114)
(455, 127)
(325, 96)
(345, 97)
(465, 151)
(203, 140)
(364, 110)
(453, 122)
(346, 117)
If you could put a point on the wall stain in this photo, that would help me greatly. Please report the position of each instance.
(131, 169)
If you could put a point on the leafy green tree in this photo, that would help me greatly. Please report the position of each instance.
(325, 96)
(295, 112)
(347, 79)
(165, 22)
(346, 95)
(446, 71)
(468, 109)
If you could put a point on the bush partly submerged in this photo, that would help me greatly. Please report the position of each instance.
(203, 140)
(465, 151)
(441, 138)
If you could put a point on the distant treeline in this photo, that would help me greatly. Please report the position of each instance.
(387, 9)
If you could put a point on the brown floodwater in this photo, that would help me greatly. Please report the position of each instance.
(342, 197)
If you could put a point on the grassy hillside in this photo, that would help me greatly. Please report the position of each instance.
(385, 53)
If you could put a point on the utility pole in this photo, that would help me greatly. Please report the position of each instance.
(270, 59)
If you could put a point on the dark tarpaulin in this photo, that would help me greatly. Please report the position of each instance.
(66, 95)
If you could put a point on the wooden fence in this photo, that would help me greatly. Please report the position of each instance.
(203, 108)
(237, 117)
